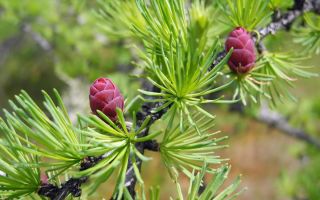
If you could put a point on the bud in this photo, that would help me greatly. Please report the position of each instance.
(243, 57)
(106, 97)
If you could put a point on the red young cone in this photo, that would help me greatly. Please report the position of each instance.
(243, 56)
(106, 97)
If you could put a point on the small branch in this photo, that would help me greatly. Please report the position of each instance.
(131, 178)
(9, 45)
(285, 20)
(72, 186)
(276, 120)
(15, 42)
(37, 38)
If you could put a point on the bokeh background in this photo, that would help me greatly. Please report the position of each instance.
(61, 44)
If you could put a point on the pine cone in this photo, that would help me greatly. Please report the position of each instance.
(106, 97)
(243, 56)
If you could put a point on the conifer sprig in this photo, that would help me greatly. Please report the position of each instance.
(50, 136)
(285, 69)
(213, 188)
(309, 36)
(246, 13)
(20, 175)
(188, 150)
(177, 57)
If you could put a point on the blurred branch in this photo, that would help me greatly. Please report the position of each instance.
(43, 43)
(285, 20)
(276, 120)
(14, 42)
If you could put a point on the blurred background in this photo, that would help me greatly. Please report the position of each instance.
(60, 44)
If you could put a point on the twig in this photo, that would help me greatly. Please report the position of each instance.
(43, 43)
(72, 186)
(131, 178)
(14, 42)
(276, 120)
(285, 21)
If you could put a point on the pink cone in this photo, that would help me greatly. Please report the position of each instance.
(106, 97)
(243, 56)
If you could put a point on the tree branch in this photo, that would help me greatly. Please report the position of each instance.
(131, 178)
(72, 186)
(276, 120)
(43, 43)
(284, 21)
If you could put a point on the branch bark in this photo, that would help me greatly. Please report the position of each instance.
(72, 186)
(278, 121)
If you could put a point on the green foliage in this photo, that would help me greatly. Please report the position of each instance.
(271, 79)
(212, 188)
(77, 45)
(177, 60)
(154, 194)
(284, 68)
(180, 43)
(121, 17)
(247, 87)
(177, 57)
(120, 142)
(17, 178)
(51, 136)
(247, 13)
(303, 183)
(280, 4)
(178, 53)
(309, 36)
(31, 133)
(188, 150)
